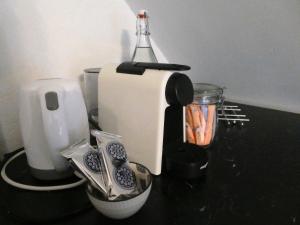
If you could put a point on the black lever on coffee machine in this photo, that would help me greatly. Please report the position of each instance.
(138, 68)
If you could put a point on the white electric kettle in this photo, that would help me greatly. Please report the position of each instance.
(52, 116)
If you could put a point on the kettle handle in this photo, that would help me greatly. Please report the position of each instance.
(54, 123)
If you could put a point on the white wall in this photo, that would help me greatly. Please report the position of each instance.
(250, 46)
(42, 38)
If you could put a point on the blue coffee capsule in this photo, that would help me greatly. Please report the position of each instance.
(125, 177)
(117, 152)
(92, 161)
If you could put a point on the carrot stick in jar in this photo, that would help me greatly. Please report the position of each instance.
(197, 124)
(214, 127)
(200, 131)
(209, 124)
(199, 136)
(189, 134)
(188, 115)
(195, 114)
(203, 126)
(204, 109)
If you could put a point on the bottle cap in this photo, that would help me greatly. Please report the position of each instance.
(142, 14)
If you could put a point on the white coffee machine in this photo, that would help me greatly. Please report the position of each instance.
(144, 103)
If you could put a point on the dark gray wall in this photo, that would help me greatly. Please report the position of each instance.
(252, 47)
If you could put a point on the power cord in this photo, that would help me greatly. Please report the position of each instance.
(36, 188)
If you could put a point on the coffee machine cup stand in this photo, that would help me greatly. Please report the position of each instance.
(145, 104)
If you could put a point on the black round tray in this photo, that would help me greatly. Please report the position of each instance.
(39, 206)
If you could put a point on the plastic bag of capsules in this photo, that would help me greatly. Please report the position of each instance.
(89, 162)
(106, 168)
(121, 178)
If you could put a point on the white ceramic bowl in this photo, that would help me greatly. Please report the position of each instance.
(121, 209)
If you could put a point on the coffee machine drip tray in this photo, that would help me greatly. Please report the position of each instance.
(186, 161)
(31, 200)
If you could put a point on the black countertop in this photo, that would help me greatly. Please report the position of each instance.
(253, 177)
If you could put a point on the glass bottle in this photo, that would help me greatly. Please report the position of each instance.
(143, 51)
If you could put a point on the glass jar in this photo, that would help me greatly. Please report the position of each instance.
(201, 115)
